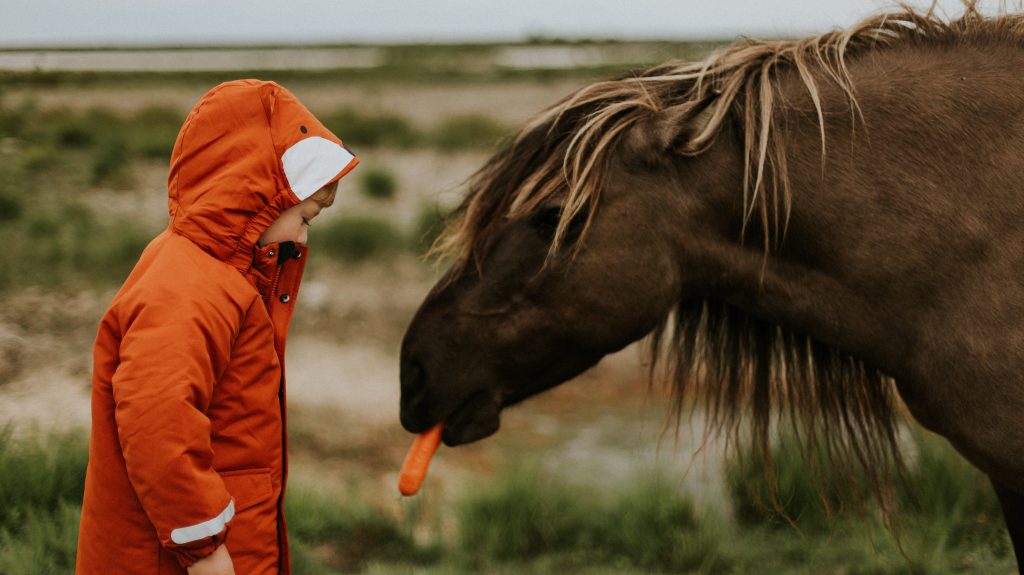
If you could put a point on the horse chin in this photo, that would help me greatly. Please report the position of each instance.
(477, 418)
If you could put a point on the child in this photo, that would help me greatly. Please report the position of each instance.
(187, 459)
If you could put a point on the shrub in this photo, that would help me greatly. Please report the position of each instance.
(940, 486)
(73, 132)
(38, 476)
(352, 531)
(648, 525)
(111, 162)
(468, 132)
(372, 130)
(653, 527)
(791, 491)
(51, 247)
(10, 207)
(356, 238)
(39, 157)
(378, 183)
(429, 224)
(154, 131)
(14, 120)
(944, 489)
(45, 544)
(520, 518)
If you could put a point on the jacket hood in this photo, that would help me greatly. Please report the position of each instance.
(248, 151)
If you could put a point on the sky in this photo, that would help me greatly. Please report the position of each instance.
(37, 23)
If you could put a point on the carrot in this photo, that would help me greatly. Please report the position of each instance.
(414, 468)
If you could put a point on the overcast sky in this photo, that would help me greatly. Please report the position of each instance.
(206, 22)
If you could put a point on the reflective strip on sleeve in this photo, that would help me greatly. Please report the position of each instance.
(207, 528)
(312, 162)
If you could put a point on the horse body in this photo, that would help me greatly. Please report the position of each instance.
(866, 225)
(904, 243)
(912, 242)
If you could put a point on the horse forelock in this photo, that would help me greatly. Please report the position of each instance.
(561, 157)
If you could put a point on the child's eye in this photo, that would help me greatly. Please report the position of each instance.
(305, 221)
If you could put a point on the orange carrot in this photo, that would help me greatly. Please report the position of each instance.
(414, 468)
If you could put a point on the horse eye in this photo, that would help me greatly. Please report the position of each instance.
(546, 222)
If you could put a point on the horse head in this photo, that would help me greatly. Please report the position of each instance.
(547, 280)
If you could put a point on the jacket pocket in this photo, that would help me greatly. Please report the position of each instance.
(248, 486)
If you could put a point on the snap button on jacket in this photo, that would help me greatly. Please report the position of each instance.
(188, 444)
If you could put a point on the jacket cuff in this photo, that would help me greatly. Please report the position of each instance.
(187, 555)
(194, 542)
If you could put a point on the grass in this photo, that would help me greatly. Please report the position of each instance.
(528, 521)
(343, 537)
(948, 519)
(41, 485)
(378, 183)
(58, 241)
(789, 494)
(67, 246)
(356, 238)
(430, 222)
(361, 129)
(646, 525)
(469, 132)
(57, 157)
(54, 156)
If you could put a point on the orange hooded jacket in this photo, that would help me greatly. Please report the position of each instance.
(188, 445)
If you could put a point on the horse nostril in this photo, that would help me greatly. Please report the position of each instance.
(413, 379)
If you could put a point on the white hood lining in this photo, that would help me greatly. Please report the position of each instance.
(312, 162)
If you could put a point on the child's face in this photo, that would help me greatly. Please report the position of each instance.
(293, 224)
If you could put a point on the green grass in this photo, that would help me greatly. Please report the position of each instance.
(41, 485)
(378, 183)
(790, 493)
(947, 518)
(361, 129)
(526, 520)
(111, 163)
(59, 241)
(68, 245)
(156, 129)
(342, 536)
(645, 525)
(430, 222)
(356, 238)
(11, 207)
(38, 475)
(469, 132)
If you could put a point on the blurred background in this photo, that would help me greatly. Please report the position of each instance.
(592, 477)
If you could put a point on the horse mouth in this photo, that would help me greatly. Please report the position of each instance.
(478, 417)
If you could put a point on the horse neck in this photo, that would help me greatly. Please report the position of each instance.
(889, 213)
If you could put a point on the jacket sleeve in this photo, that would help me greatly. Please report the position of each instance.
(173, 351)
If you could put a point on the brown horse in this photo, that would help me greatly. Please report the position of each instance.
(798, 224)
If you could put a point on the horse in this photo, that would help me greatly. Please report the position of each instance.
(827, 228)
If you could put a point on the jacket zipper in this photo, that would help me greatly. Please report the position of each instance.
(273, 285)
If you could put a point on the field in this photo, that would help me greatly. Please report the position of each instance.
(589, 478)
